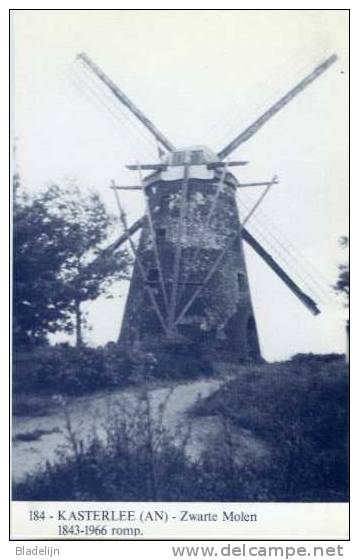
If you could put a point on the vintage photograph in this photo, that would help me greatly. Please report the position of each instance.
(180, 276)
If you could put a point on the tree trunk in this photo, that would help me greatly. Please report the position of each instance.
(78, 324)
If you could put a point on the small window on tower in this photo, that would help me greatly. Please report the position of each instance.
(197, 157)
(161, 234)
(178, 158)
(242, 282)
(165, 200)
(153, 275)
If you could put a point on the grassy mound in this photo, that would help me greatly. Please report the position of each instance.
(300, 409)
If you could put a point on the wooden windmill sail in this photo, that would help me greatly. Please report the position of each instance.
(190, 284)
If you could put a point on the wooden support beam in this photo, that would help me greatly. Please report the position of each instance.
(122, 239)
(148, 166)
(154, 242)
(127, 188)
(220, 257)
(219, 164)
(216, 196)
(165, 166)
(274, 181)
(208, 219)
(140, 265)
(178, 251)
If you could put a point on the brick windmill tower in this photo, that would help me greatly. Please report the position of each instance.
(190, 285)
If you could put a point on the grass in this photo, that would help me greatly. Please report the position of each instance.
(32, 405)
(298, 408)
(70, 371)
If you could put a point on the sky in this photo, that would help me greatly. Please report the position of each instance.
(201, 76)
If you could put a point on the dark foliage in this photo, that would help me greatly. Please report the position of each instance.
(69, 370)
(301, 411)
(38, 298)
(112, 474)
(315, 361)
(35, 435)
(342, 284)
(64, 369)
(181, 363)
(58, 233)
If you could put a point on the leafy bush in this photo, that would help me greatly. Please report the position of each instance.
(75, 371)
(181, 363)
(313, 362)
(69, 370)
(301, 413)
(135, 461)
(31, 405)
(110, 474)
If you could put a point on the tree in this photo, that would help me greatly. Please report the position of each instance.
(85, 275)
(342, 284)
(38, 238)
(57, 235)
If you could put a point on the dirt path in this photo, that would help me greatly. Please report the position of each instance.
(39, 439)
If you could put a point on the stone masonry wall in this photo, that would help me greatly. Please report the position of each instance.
(221, 319)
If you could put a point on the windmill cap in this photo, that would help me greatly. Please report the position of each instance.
(191, 154)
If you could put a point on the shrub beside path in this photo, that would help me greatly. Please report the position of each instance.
(37, 439)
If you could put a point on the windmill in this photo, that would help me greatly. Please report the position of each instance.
(190, 285)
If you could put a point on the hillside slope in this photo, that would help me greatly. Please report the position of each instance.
(298, 411)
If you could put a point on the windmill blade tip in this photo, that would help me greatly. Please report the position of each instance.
(315, 309)
(333, 58)
(80, 55)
